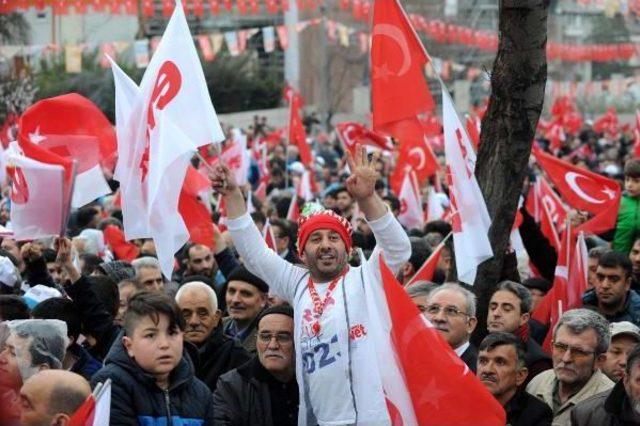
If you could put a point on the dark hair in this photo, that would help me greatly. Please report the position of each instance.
(633, 358)
(49, 255)
(420, 251)
(61, 309)
(632, 168)
(259, 217)
(521, 293)
(85, 215)
(91, 263)
(65, 399)
(11, 257)
(151, 304)
(55, 343)
(614, 259)
(342, 189)
(280, 309)
(500, 338)
(13, 308)
(440, 226)
(393, 202)
(106, 291)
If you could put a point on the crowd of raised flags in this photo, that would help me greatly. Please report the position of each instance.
(65, 145)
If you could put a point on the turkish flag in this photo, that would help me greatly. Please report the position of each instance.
(431, 376)
(415, 152)
(297, 134)
(399, 89)
(428, 269)
(352, 134)
(72, 127)
(583, 190)
(96, 409)
(473, 129)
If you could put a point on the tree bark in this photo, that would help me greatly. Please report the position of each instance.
(518, 80)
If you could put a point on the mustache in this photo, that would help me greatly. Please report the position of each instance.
(489, 378)
(194, 328)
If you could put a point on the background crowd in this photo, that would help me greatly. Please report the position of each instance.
(90, 306)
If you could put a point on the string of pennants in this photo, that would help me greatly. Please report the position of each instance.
(435, 29)
(236, 42)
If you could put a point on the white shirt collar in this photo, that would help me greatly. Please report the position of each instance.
(463, 347)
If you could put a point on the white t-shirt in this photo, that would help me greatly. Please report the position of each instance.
(336, 371)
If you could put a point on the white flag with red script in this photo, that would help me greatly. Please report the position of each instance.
(37, 202)
(411, 213)
(173, 85)
(469, 216)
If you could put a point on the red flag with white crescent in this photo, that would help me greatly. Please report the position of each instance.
(399, 89)
(583, 190)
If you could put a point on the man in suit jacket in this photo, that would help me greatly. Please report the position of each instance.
(452, 310)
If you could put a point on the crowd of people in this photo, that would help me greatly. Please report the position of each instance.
(241, 334)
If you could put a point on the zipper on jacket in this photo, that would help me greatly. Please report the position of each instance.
(167, 403)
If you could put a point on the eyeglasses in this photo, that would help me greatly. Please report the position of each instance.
(449, 311)
(280, 337)
(562, 348)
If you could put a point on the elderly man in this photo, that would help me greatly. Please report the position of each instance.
(340, 382)
(216, 352)
(246, 297)
(263, 392)
(509, 311)
(619, 406)
(451, 309)
(502, 370)
(624, 337)
(148, 273)
(31, 346)
(51, 397)
(611, 295)
(419, 293)
(580, 340)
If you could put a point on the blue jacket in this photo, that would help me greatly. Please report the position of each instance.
(137, 400)
(630, 312)
(86, 365)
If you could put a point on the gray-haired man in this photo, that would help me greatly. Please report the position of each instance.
(580, 341)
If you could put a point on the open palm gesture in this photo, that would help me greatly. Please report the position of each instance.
(362, 182)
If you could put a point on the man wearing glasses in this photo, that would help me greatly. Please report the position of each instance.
(452, 310)
(580, 341)
(264, 391)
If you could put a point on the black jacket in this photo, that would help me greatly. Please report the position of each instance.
(218, 355)
(470, 357)
(610, 408)
(630, 312)
(536, 360)
(243, 398)
(96, 320)
(527, 410)
(137, 400)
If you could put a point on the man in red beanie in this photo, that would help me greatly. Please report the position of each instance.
(337, 373)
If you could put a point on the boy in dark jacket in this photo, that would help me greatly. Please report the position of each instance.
(152, 382)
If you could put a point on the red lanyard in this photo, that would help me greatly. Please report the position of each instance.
(319, 305)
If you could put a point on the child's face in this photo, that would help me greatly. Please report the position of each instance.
(155, 347)
(632, 186)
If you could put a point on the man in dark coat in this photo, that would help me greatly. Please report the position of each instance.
(618, 406)
(263, 392)
(217, 353)
(502, 369)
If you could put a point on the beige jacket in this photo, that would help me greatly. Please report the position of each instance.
(543, 385)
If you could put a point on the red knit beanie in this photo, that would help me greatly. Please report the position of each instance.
(325, 219)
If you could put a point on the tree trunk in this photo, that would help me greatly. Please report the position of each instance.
(518, 80)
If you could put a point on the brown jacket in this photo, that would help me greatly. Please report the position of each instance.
(545, 384)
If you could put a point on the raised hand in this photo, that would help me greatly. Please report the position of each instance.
(362, 182)
(30, 252)
(223, 180)
(64, 257)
